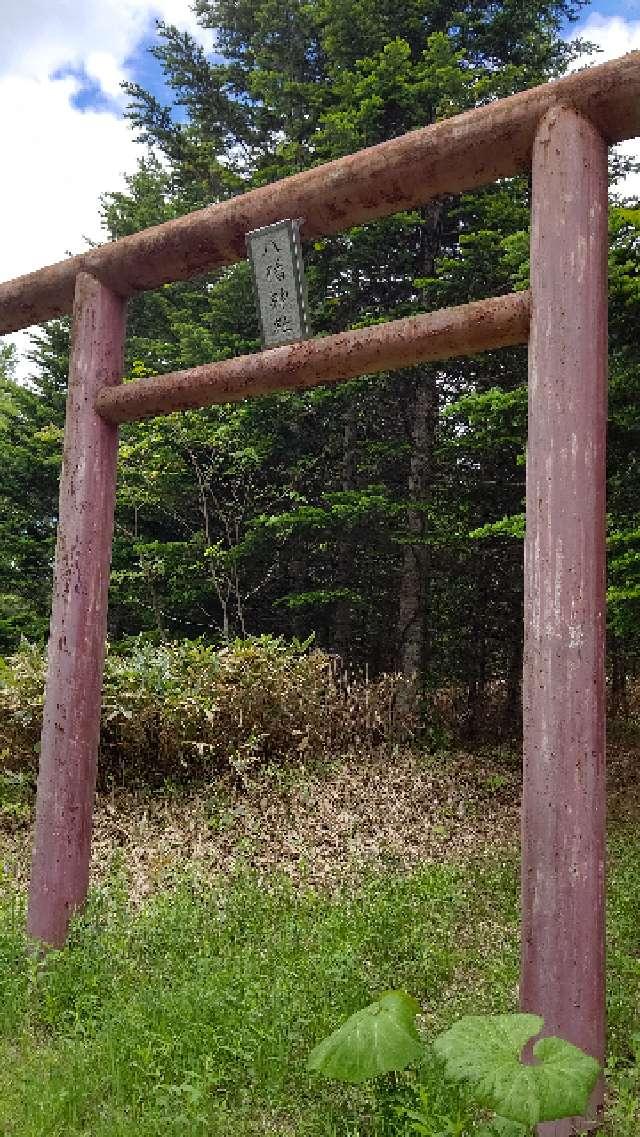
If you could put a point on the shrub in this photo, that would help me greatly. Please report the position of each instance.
(187, 709)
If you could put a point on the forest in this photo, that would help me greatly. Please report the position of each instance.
(384, 516)
(304, 917)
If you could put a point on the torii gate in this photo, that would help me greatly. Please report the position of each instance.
(561, 132)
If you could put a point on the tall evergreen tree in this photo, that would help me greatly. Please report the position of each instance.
(348, 512)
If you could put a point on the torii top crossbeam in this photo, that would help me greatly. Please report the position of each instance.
(473, 149)
(560, 132)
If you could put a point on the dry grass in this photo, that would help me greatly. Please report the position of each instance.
(186, 710)
(320, 826)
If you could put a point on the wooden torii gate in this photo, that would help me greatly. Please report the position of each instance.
(559, 131)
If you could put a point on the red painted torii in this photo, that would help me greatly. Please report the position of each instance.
(560, 132)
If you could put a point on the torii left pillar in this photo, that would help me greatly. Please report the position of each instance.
(71, 720)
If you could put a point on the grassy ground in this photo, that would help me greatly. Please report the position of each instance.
(193, 1013)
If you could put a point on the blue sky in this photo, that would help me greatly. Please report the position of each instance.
(627, 9)
(62, 63)
(143, 68)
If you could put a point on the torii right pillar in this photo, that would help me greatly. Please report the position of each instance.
(563, 815)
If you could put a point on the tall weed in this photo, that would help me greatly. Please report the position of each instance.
(187, 709)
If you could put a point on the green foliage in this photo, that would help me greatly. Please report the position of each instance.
(486, 1052)
(308, 512)
(30, 443)
(427, 1106)
(193, 1014)
(507, 527)
(16, 789)
(501, 1127)
(481, 1050)
(187, 709)
(379, 1038)
(8, 360)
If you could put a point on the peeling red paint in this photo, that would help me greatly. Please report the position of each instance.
(472, 149)
(498, 322)
(71, 721)
(563, 820)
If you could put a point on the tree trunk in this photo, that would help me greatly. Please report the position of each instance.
(512, 722)
(226, 630)
(415, 561)
(296, 581)
(618, 700)
(476, 689)
(343, 619)
(421, 411)
(157, 610)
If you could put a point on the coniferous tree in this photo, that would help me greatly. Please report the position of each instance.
(382, 515)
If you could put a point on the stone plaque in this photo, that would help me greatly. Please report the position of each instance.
(278, 274)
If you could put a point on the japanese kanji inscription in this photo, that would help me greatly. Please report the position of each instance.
(278, 274)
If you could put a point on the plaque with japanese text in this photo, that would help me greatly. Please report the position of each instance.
(278, 274)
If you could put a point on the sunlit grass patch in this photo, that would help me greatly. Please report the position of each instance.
(195, 1014)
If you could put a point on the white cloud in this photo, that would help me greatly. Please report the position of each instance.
(59, 161)
(57, 158)
(614, 36)
(39, 35)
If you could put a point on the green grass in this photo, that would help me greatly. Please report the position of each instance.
(195, 1015)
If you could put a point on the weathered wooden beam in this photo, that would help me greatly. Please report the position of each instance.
(472, 149)
(499, 322)
(563, 818)
(71, 720)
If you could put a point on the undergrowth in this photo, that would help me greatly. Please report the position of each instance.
(195, 1014)
(186, 709)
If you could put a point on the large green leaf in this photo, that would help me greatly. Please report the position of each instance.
(485, 1050)
(379, 1038)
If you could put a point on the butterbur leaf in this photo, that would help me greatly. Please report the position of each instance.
(566, 1078)
(478, 1044)
(379, 1038)
(485, 1050)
